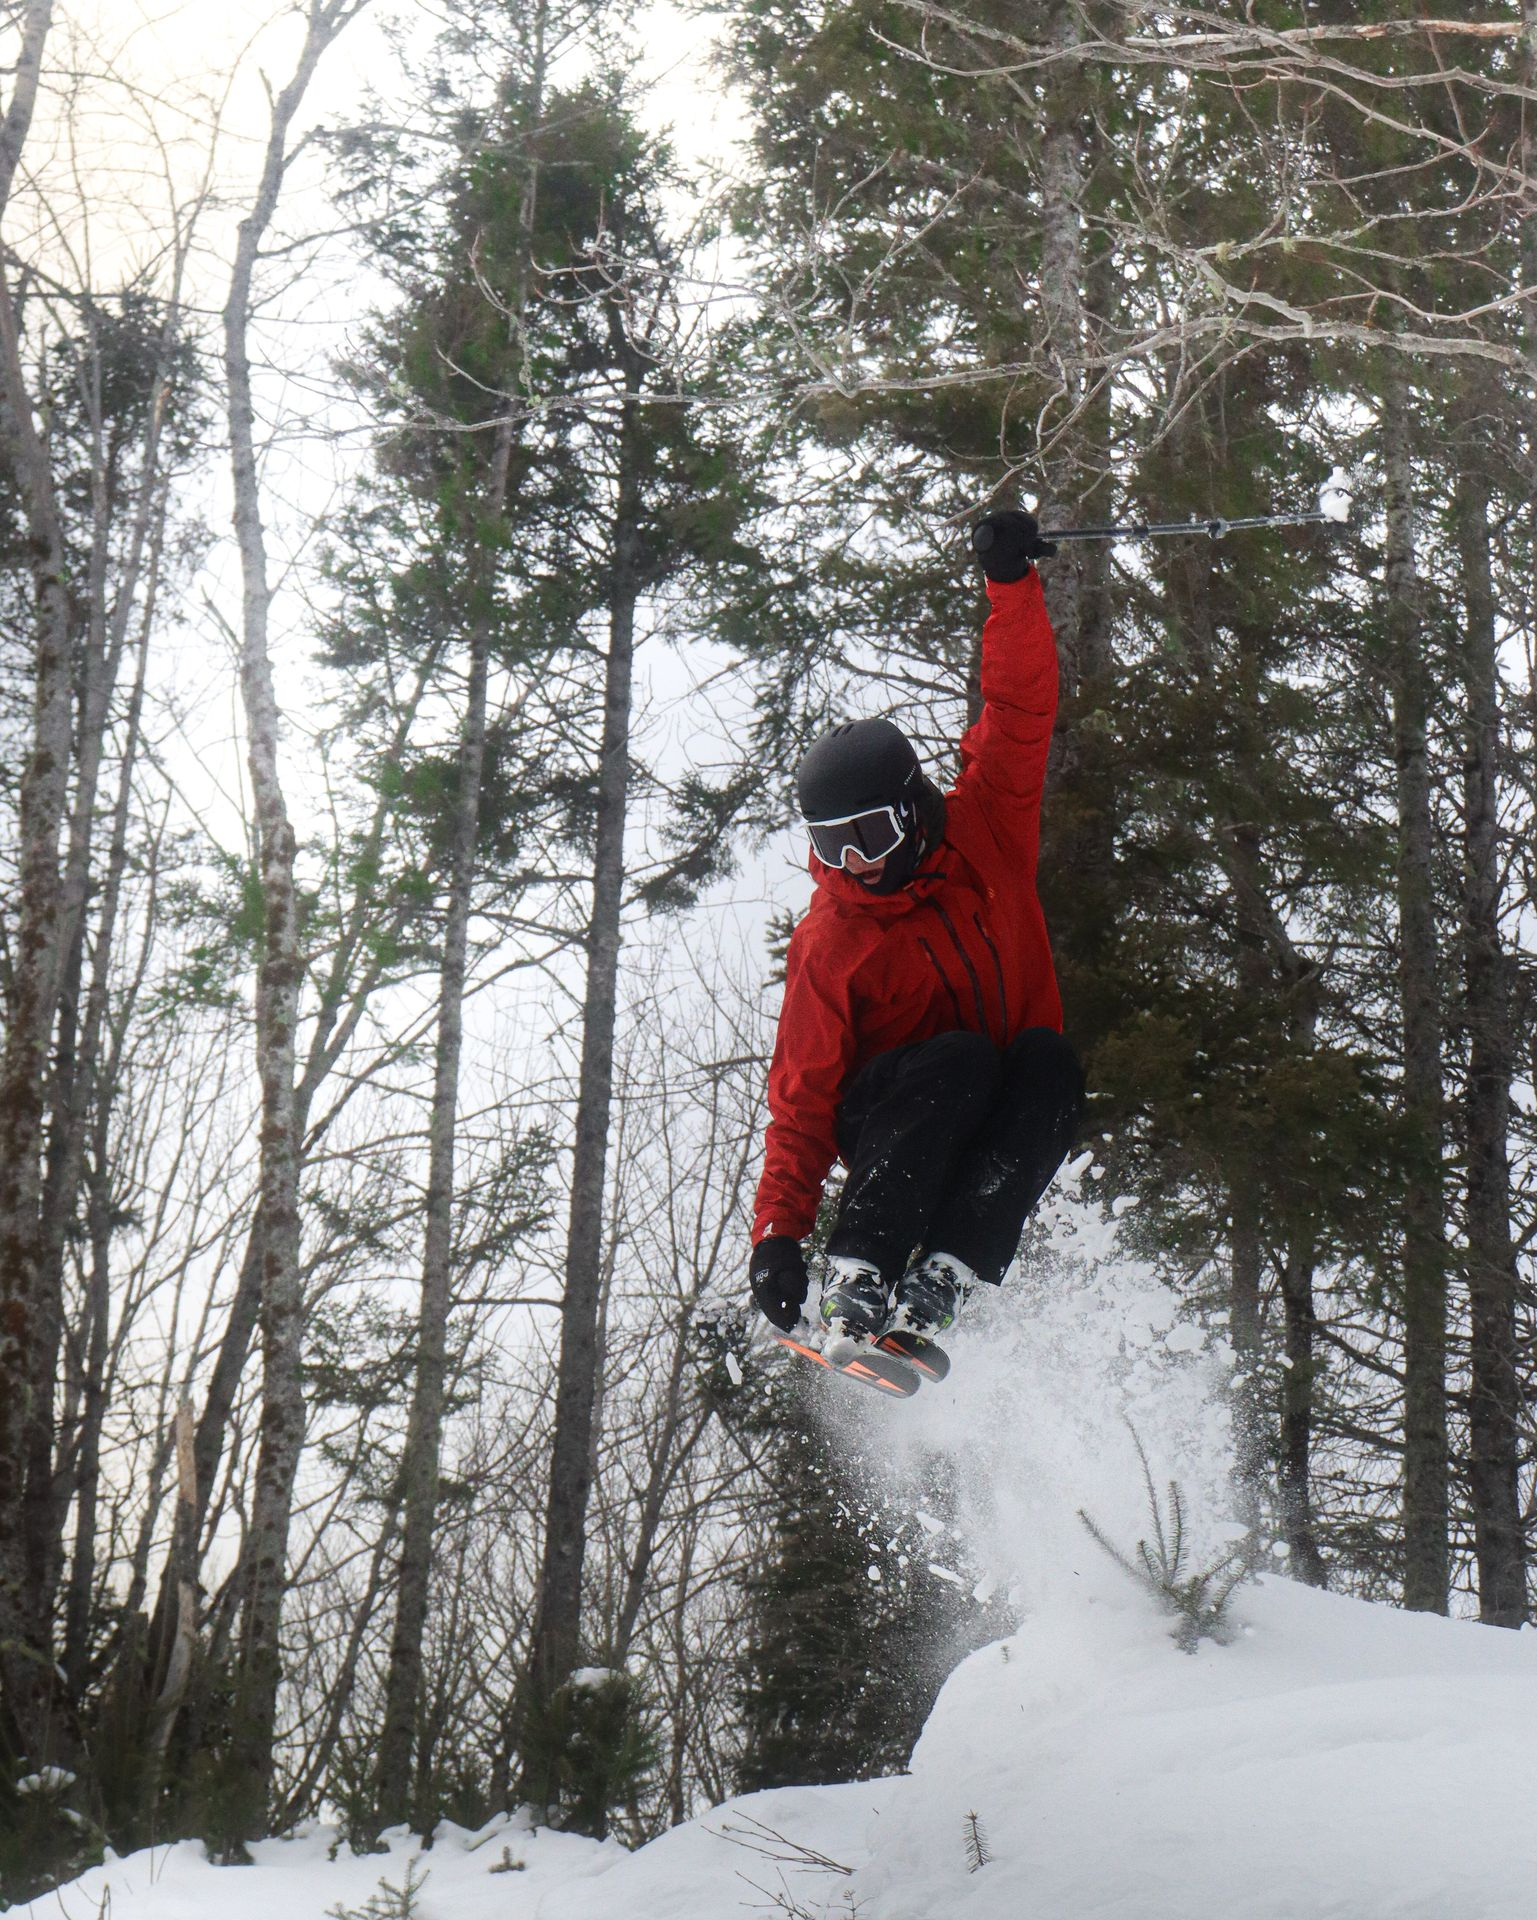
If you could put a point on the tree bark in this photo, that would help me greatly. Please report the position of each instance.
(1062, 349)
(558, 1617)
(1495, 1404)
(422, 1454)
(264, 1562)
(1298, 1414)
(666, 1460)
(77, 1089)
(37, 18)
(1246, 1272)
(26, 1657)
(421, 1459)
(1269, 968)
(1425, 1495)
(97, 1100)
(1078, 290)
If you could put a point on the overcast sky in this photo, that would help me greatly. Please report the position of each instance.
(173, 96)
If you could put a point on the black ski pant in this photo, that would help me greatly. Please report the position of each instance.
(949, 1143)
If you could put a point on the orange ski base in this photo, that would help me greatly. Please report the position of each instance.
(887, 1374)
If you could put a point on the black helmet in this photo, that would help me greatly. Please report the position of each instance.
(860, 789)
(858, 764)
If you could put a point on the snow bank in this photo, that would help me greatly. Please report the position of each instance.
(1336, 1761)
(1339, 1761)
(500, 1873)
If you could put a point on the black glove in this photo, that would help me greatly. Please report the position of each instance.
(1006, 542)
(777, 1276)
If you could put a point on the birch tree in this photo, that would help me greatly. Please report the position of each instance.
(277, 1226)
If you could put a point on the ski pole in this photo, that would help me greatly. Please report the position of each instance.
(1333, 505)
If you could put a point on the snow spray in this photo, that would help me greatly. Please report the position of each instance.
(1082, 1354)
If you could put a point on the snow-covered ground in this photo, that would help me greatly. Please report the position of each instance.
(1333, 1761)
(1338, 1761)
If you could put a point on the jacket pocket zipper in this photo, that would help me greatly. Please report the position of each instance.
(971, 972)
(1003, 998)
(934, 962)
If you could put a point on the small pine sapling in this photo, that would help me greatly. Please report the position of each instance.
(389, 1902)
(1197, 1598)
(977, 1851)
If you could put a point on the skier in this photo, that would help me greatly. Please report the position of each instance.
(920, 1036)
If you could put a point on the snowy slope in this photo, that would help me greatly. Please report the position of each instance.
(1335, 1761)
(1339, 1761)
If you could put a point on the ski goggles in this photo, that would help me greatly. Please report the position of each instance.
(871, 834)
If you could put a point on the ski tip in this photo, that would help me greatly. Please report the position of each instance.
(930, 1360)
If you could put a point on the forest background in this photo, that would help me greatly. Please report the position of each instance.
(438, 509)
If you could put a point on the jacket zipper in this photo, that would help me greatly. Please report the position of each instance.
(1003, 998)
(934, 961)
(971, 972)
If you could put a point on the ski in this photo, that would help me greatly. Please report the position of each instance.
(931, 1361)
(884, 1372)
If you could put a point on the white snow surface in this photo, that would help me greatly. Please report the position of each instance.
(1334, 498)
(1339, 1761)
(50, 1780)
(589, 1679)
(1335, 1761)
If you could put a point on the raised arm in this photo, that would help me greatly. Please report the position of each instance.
(1003, 757)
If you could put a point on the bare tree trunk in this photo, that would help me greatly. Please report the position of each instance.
(1425, 1497)
(1268, 964)
(424, 1433)
(422, 1455)
(558, 1618)
(1077, 292)
(666, 1459)
(308, 1789)
(170, 1680)
(98, 1101)
(277, 997)
(1062, 347)
(1529, 211)
(1246, 1272)
(1298, 1414)
(340, 1005)
(1495, 1405)
(37, 18)
(26, 1655)
(80, 1107)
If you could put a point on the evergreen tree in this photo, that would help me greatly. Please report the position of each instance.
(554, 489)
(850, 1631)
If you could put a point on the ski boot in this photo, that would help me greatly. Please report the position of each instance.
(930, 1296)
(854, 1307)
(929, 1299)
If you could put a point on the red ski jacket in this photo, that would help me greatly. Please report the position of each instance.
(964, 945)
